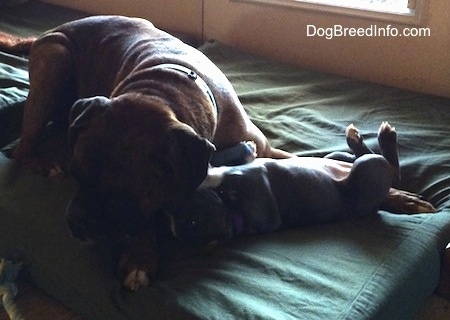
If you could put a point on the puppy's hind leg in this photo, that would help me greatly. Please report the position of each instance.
(368, 184)
(387, 140)
(52, 91)
(356, 142)
(398, 201)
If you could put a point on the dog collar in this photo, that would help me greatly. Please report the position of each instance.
(191, 74)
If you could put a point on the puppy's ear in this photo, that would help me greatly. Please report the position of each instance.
(194, 155)
(81, 113)
(255, 198)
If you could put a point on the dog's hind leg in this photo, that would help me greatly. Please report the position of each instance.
(52, 92)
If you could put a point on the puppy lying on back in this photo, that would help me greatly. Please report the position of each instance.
(267, 194)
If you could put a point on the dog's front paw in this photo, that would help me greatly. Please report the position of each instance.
(43, 167)
(251, 150)
(138, 263)
(136, 278)
(240, 153)
(400, 201)
(24, 154)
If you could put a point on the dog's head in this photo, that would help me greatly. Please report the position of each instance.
(201, 218)
(134, 149)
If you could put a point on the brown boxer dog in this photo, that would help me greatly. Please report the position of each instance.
(146, 113)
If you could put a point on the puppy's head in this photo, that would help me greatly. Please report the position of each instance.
(201, 218)
(136, 148)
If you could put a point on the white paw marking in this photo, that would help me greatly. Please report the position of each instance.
(136, 279)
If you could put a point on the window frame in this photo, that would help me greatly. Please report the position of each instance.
(415, 17)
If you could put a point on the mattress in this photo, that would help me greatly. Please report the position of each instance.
(378, 267)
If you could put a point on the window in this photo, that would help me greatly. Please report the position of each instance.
(395, 6)
(400, 11)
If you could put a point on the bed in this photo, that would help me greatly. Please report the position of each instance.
(378, 267)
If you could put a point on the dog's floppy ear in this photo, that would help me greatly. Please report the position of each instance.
(82, 111)
(194, 155)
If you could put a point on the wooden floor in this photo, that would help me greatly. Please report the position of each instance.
(34, 304)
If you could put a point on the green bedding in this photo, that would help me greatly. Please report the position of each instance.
(380, 267)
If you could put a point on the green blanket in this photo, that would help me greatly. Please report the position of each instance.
(380, 267)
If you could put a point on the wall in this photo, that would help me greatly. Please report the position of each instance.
(176, 15)
(420, 64)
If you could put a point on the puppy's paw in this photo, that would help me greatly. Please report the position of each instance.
(400, 201)
(387, 135)
(353, 136)
(355, 141)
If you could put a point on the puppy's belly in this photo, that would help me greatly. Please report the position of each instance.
(306, 196)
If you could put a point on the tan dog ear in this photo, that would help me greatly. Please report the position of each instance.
(82, 111)
(194, 155)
